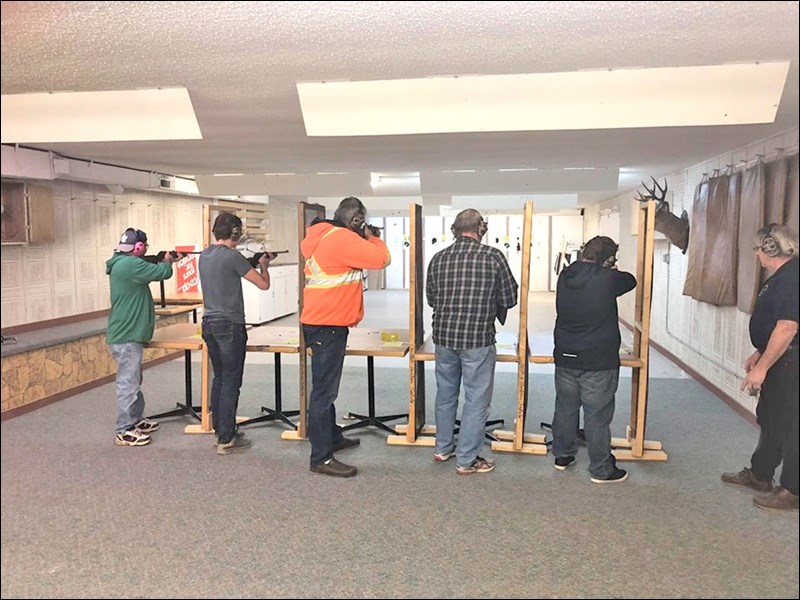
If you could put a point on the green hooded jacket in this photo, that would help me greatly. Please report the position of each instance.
(133, 314)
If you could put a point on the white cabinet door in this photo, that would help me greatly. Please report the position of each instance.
(279, 300)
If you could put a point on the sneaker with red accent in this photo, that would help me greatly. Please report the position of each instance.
(479, 465)
(132, 437)
(147, 425)
(442, 456)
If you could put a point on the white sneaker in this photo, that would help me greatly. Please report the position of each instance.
(132, 437)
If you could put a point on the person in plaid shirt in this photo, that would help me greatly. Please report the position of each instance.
(469, 285)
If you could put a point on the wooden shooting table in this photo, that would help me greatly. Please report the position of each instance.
(178, 309)
(369, 343)
(186, 337)
(278, 340)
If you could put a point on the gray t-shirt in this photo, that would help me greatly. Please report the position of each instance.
(221, 271)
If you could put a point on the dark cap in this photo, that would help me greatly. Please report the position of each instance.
(129, 239)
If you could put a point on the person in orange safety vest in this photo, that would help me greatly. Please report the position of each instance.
(335, 253)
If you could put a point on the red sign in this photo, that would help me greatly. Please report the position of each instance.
(187, 274)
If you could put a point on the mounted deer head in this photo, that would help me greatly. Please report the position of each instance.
(674, 228)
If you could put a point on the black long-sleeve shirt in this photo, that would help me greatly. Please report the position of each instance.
(587, 322)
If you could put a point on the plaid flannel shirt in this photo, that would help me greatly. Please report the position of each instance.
(466, 285)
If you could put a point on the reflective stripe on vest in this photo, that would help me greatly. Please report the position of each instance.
(317, 278)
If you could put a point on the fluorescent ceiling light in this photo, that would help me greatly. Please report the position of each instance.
(542, 181)
(186, 185)
(115, 116)
(380, 181)
(540, 201)
(732, 94)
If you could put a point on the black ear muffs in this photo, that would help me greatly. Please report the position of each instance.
(236, 233)
(609, 262)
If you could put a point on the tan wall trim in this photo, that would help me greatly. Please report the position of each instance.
(53, 322)
(26, 408)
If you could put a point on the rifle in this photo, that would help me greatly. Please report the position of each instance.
(253, 260)
(157, 258)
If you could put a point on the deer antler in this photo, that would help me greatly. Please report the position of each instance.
(662, 192)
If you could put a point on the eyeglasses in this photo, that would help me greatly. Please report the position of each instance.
(756, 248)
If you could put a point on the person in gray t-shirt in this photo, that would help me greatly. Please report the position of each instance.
(222, 269)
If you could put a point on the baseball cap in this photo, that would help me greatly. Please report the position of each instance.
(130, 238)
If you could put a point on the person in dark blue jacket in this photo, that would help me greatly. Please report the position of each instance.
(586, 353)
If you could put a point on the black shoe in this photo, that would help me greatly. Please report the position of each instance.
(237, 443)
(617, 476)
(562, 462)
(334, 468)
(347, 443)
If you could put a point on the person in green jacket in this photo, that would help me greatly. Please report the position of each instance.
(130, 326)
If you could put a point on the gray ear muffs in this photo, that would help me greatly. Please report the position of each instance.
(770, 245)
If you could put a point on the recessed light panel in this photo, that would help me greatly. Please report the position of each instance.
(114, 116)
(732, 94)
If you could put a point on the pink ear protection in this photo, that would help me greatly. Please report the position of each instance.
(140, 247)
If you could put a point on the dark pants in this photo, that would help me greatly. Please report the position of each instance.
(777, 413)
(328, 344)
(226, 342)
(594, 391)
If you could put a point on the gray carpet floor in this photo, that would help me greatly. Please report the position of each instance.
(83, 518)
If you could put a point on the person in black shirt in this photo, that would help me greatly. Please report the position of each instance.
(772, 374)
(586, 353)
(469, 285)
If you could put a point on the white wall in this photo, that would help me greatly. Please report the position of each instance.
(67, 277)
(712, 340)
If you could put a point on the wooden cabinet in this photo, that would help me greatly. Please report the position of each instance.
(27, 213)
(279, 300)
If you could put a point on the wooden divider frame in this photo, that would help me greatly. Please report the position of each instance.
(416, 433)
(518, 440)
(306, 213)
(634, 446)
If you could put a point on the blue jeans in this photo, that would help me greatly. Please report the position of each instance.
(476, 368)
(595, 391)
(328, 344)
(226, 342)
(130, 400)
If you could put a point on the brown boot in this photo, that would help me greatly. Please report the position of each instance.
(778, 499)
(746, 478)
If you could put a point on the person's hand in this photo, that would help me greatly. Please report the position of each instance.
(751, 361)
(263, 261)
(754, 380)
(168, 258)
